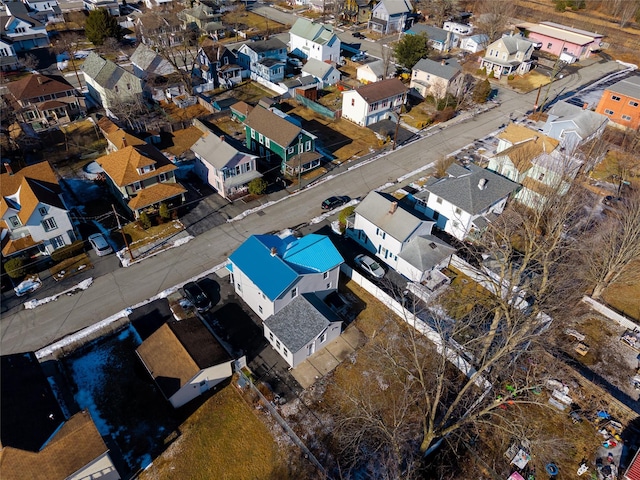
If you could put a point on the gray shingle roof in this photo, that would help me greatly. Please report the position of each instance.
(104, 72)
(397, 7)
(264, 46)
(301, 321)
(629, 87)
(272, 126)
(461, 188)
(426, 251)
(216, 151)
(317, 68)
(586, 122)
(447, 70)
(400, 224)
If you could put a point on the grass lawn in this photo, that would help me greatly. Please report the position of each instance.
(183, 114)
(624, 297)
(138, 236)
(529, 81)
(420, 116)
(250, 92)
(223, 439)
(71, 266)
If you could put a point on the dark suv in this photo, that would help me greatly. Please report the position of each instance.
(194, 293)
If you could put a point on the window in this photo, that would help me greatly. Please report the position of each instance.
(436, 216)
(162, 177)
(146, 169)
(260, 308)
(136, 186)
(328, 285)
(239, 287)
(261, 138)
(626, 117)
(14, 221)
(49, 224)
(226, 60)
(57, 242)
(439, 200)
(325, 275)
(353, 102)
(253, 134)
(128, 86)
(291, 150)
(608, 112)
(615, 98)
(541, 177)
(267, 142)
(458, 211)
(115, 88)
(323, 337)
(307, 145)
(278, 344)
(632, 103)
(294, 292)
(271, 336)
(285, 352)
(42, 211)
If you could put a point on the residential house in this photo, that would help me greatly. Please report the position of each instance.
(571, 43)
(272, 136)
(141, 178)
(218, 66)
(184, 359)
(436, 79)
(46, 11)
(437, 38)
(390, 16)
(223, 166)
(157, 4)
(38, 440)
(8, 58)
(401, 238)
(111, 6)
(301, 328)
(474, 43)
(21, 30)
(321, 6)
(620, 102)
(45, 101)
(325, 73)
(465, 199)
(35, 218)
(508, 55)
(458, 28)
(374, 102)
(265, 59)
(204, 18)
(269, 271)
(149, 65)
(358, 11)
(109, 84)
(239, 111)
(572, 125)
(528, 157)
(305, 85)
(372, 72)
(116, 137)
(155, 29)
(308, 39)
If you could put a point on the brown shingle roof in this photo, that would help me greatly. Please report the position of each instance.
(155, 194)
(118, 137)
(242, 107)
(73, 447)
(37, 85)
(14, 246)
(121, 166)
(272, 126)
(374, 92)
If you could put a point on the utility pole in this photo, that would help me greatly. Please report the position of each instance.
(395, 136)
(299, 161)
(124, 237)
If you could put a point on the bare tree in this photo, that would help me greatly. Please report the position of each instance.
(30, 62)
(493, 17)
(69, 43)
(608, 254)
(442, 10)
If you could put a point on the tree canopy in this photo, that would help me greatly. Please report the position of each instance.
(100, 25)
(411, 49)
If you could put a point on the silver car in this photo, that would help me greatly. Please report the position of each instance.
(99, 244)
(370, 266)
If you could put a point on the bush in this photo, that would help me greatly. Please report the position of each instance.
(482, 71)
(346, 213)
(561, 5)
(164, 212)
(444, 115)
(481, 91)
(492, 74)
(511, 77)
(257, 186)
(145, 221)
(68, 251)
(15, 267)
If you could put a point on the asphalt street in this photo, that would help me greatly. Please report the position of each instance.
(29, 330)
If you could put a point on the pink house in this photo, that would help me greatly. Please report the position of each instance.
(558, 39)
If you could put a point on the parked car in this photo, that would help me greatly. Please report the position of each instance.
(99, 244)
(294, 62)
(335, 202)
(360, 57)
(370, 266)
(194, 293)
(357, 35)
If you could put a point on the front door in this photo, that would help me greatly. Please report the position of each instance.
(311, 348)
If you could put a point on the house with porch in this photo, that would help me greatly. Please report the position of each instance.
(141, 178)
(572, 125)
(39, 438)
(34, 217)
(429, 77)
(572, 43)
(311, 40)
(509, 55)
(23, 31)
(278, 140)
(621, 103)
(45, 101)
(357, 11)
(223, 166)
(401, 237)
(109, 84)
(218, 66)
(374, 102)
(184, 359)
(284, 280)
(264, 59)
(465, 200)
(390, 16)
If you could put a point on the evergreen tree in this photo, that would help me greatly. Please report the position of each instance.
(100, 25)
(411, 49)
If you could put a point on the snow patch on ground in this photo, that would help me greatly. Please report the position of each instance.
(83, 285)
(125, 259)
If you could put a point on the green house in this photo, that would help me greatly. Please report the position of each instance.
(279, 140)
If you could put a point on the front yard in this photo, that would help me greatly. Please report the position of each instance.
(528, 82)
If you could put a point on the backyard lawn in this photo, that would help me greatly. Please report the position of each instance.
(529, 81)
(624, 296)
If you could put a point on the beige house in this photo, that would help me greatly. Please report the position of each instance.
(109, 84)
(185, 360)
(431, 78)
(509, 55)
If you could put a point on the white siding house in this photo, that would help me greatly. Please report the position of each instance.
(308, 39)
(374, 102)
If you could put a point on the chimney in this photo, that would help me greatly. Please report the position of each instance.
(535, 139)
(222, 138)
(585, 105)
(40, 80)
(8, 168)
(443, 62)
(124, 142)
(393, 207)
(274, 251)
(482, 184)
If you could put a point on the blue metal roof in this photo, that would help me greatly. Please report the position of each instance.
(274, 274)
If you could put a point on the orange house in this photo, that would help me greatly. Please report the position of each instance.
(621, 103)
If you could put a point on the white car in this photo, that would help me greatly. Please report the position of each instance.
(99, 244)
(370, 266)
(294, 62)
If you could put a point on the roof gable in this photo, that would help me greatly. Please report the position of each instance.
(273, 126)
(446, 69)
(374, 92)
(216, 151)
(426, 251)
(396, 7)
(122, 165)
(38, 85)
(316, 32)
(383, 211)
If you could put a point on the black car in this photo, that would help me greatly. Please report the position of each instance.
(334, 202)
(194, 293)
(357, 35)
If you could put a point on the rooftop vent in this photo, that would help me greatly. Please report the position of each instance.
(482, 184)
(393, 207)
(274, 251)
(433, 245)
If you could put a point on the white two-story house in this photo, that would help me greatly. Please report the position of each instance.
(374, 102)
(465, 199)
(390, 16)
(23, 31)
(308, 39)
(34, 217)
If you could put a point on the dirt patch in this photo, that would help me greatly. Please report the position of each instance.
(624, 297)
(70, 267)
(178, 114)
(529, 82)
